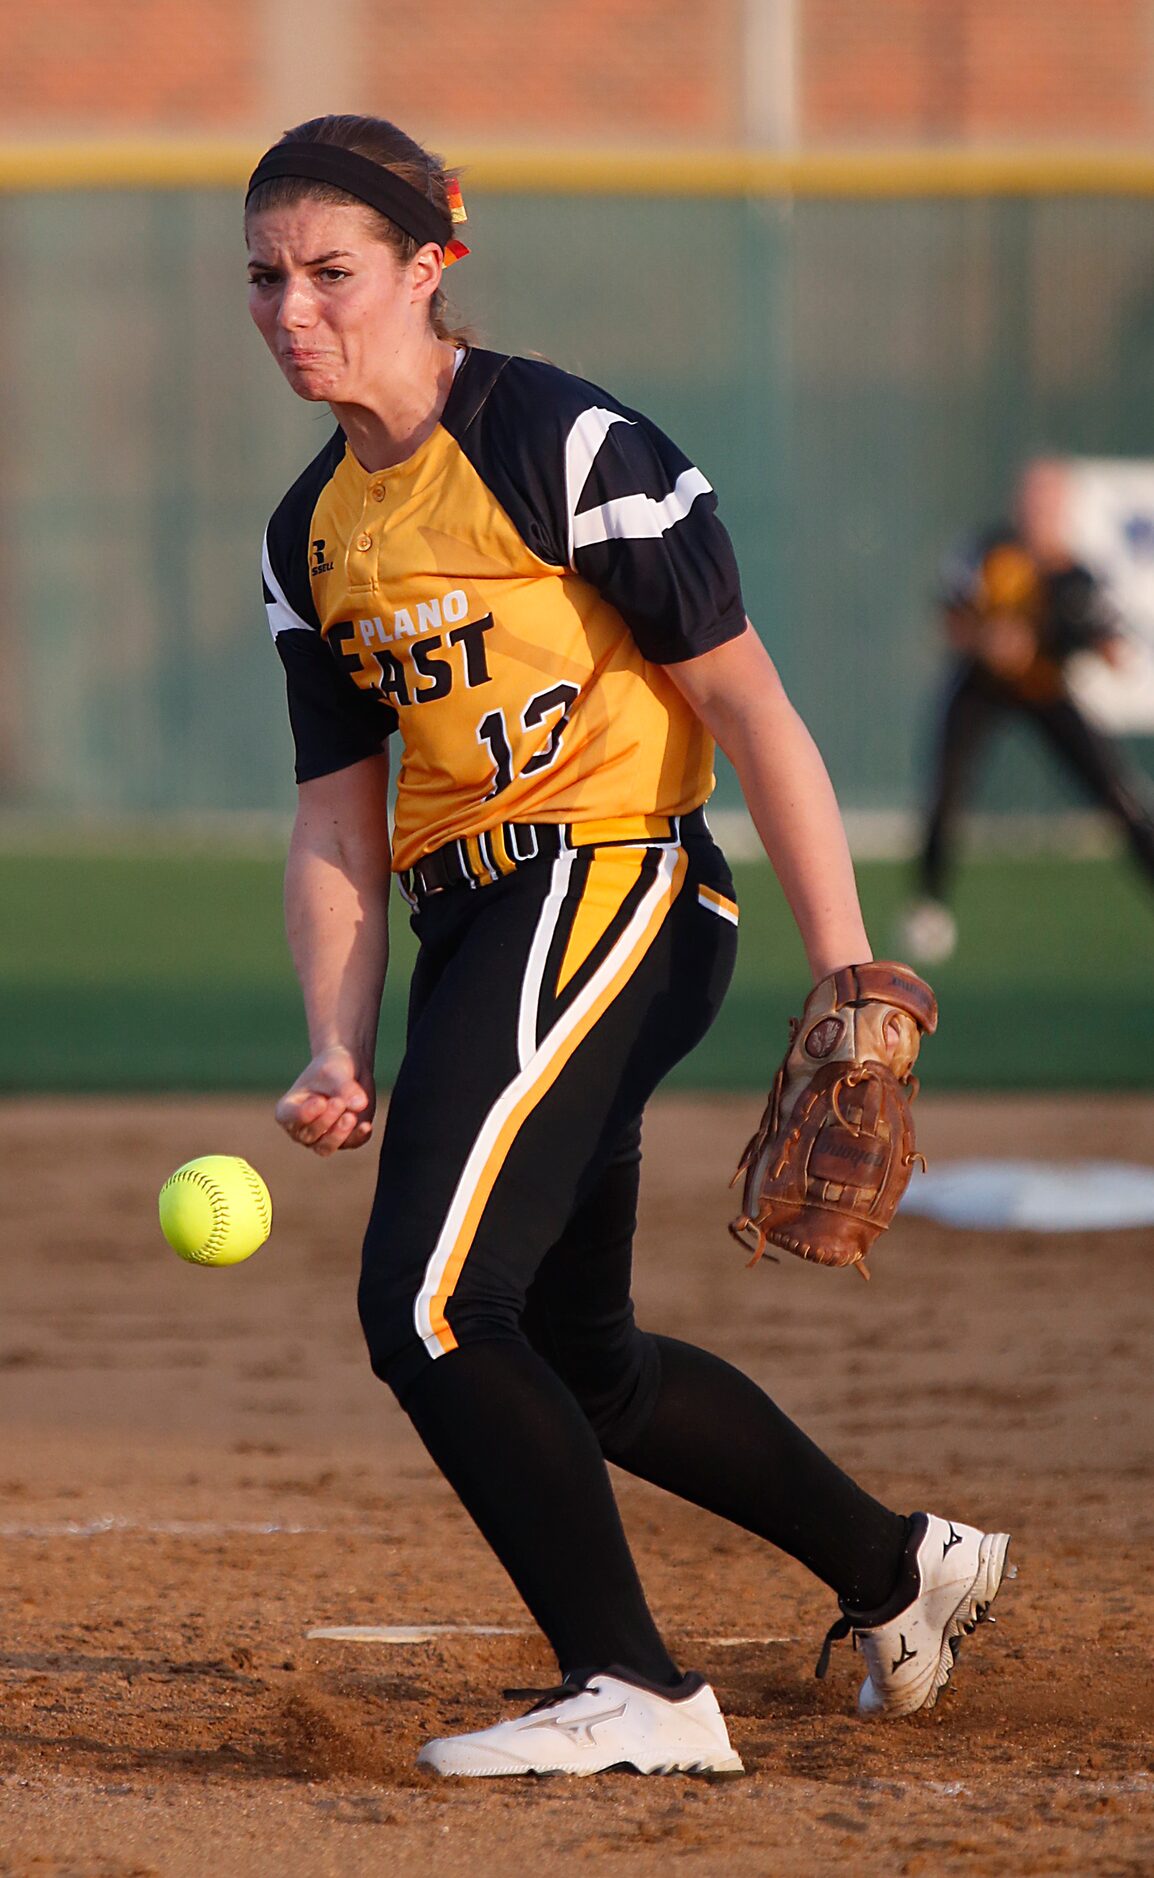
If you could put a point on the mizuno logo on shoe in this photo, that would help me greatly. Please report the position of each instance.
(907, 1655)
(580, 1730)
(954, 1539)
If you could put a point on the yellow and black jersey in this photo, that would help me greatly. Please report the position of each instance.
(1064, 608)
(507, 597)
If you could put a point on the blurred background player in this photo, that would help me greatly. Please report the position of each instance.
(1017, 608)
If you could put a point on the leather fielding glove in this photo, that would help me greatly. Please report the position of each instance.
(835, 1148)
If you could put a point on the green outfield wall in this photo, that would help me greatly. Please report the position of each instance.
(146, 965)
(858, 358)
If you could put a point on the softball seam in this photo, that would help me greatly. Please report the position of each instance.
(219, 1205)
(217, 1202)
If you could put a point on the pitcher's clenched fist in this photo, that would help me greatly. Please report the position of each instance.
(330, 1105)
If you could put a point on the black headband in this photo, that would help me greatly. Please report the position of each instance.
(358, 176)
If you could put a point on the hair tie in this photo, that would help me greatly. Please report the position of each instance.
(455, 250)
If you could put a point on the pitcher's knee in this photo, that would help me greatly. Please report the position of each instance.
(389, 1331)
(405, 1331)
(615, 1382)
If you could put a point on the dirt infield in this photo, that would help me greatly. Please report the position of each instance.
(198, 1469)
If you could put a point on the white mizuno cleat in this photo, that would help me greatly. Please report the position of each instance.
(950, 1579)
(595, 1726)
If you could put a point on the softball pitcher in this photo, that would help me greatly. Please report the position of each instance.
(524, 585)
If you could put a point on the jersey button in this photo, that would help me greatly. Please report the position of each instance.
(363, 542)
(377, 492)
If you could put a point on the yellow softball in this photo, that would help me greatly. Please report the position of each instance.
(216, 1210)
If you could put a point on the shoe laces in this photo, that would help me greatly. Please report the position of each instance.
(545, 1698)
(903, 1594)
(842, 1627)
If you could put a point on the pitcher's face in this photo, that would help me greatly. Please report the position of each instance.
(333, 303)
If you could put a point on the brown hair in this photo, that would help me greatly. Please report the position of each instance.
(383, 143)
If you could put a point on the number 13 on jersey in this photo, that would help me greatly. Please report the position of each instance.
(550, 708)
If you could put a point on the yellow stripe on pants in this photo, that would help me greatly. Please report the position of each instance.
(518, 1100)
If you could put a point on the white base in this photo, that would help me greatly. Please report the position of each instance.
(1034, 1196)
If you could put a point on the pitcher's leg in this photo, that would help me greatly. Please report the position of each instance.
(522, 1458)
(689, 1422)
(515, 1070)
(579, 1310)
(715, 1438)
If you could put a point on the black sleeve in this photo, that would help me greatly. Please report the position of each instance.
(333, 723)
(1082, 615)
(592, 485)
(645, 533)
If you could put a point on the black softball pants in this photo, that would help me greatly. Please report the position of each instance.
(975, 704)
(495, 1291)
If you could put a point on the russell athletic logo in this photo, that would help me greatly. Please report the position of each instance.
(320, 564)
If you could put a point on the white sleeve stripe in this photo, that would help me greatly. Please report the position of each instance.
(281, 616)
(636, 518)
(581, 447)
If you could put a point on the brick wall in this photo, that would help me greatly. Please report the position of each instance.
(963, 71)
(630, 70)
(884, 72)
(127, 65)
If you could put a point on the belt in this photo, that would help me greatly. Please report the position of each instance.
(479, 860)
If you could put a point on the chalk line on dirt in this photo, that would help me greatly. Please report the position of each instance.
(432, 1633)
(172, 1528)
